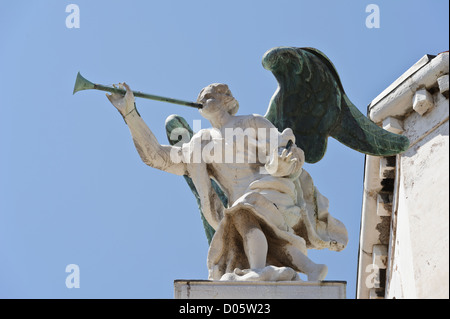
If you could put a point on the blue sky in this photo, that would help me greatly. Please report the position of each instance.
(72, 187)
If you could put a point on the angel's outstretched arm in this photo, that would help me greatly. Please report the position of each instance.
(151, 152)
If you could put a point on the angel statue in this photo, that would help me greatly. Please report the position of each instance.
(260, 208)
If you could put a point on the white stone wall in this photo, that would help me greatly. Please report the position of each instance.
(419, 260)
(404, 238)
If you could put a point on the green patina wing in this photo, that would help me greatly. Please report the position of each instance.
(311, 100)
(178, 122)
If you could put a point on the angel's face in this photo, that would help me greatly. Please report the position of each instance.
(216, 99)
(212, 103)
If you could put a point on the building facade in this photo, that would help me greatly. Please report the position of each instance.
(404, 238)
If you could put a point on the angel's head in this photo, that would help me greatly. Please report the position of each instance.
(215, 99)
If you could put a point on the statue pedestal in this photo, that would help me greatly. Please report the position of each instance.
(206, 289)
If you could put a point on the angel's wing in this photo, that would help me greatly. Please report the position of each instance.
(177, 122)
(311, 101)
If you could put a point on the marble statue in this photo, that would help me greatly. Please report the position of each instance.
(261, 209)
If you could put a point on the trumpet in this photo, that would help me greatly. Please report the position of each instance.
(83, 84)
